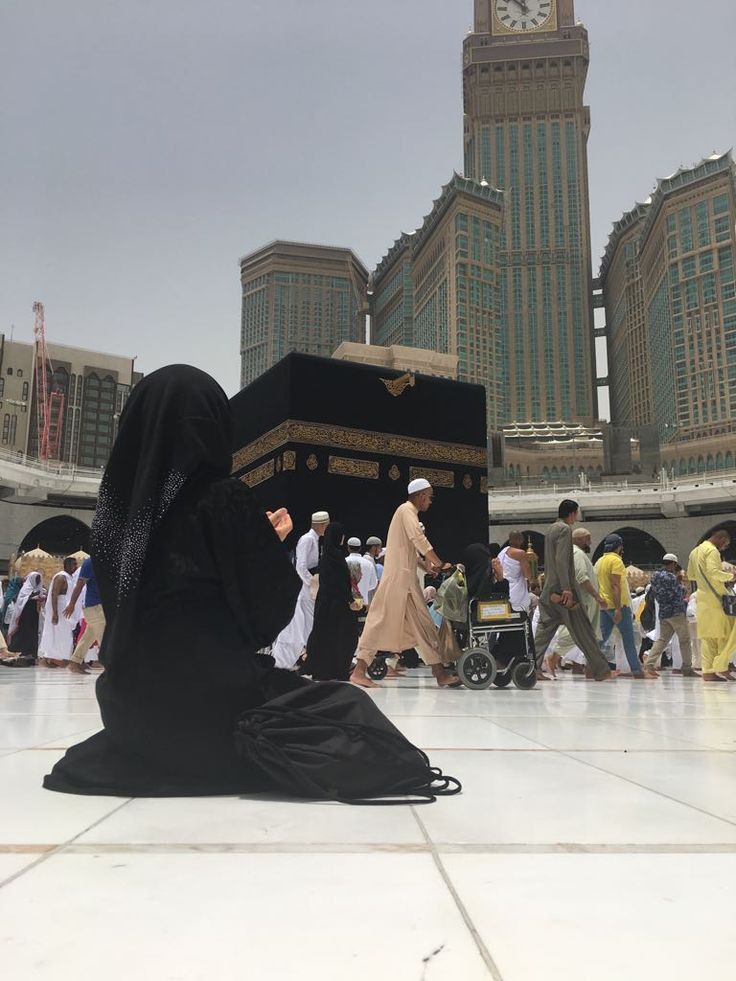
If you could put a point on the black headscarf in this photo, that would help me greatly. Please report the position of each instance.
(175, 427)
(477, 562)
(334, 575)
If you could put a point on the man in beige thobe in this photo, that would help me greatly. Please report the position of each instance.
(398, 618)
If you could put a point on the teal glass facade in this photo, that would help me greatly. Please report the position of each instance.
(441, 288)
(526, 134)
(675, 256)
(298, 297)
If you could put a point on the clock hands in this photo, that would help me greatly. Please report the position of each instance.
(524, 7)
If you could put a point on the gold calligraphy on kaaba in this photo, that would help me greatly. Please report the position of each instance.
(289, 460)
(347, 467)
(394, 473)
(397, 386)
(437, 478)
(342, 438)
(260, 474)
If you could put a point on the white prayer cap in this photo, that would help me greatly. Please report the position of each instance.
(320, 518)
(354, 543)
(420, 484)
(581, 533)
(670, 557)
(370, 542)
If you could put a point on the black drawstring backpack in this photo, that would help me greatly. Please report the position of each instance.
(329, 741)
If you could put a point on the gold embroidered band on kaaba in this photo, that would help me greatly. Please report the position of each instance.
(338, 437)
(260, 474)
(345, 467)
(437, 478)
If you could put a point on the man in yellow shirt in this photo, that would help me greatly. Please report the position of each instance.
(716, 630)
(614, 589)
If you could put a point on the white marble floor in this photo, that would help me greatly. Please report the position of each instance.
(595, 840)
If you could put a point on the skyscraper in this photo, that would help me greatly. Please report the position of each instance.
(438, 288)
(526, 133)
(629, 362)
(670, 291)
(298, 297)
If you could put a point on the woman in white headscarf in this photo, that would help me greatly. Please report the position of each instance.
(23, 633)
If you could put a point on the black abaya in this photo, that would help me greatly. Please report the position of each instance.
(25, 638)
(213, 585)
(334, 638)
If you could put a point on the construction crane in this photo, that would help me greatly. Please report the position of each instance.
(49, 400)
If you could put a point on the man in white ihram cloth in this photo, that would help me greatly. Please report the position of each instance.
(366, 577)
(398, 618)
(57, 638)
(292, 641)
(516, 571)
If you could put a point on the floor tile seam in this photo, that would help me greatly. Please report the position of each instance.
(576, 717)
(46, 711)
(373, 848)
(551, 749)
(490, 963)
(521, 735)
(651, 790)
(58, 849)
(44, 747)
(702, 747)
(652, 732)
(581, 848)
(483, 749)
(221, 848)
(413, 715)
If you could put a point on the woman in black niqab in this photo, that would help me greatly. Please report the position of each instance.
(193, 581)
(334, 638)
(482, 583)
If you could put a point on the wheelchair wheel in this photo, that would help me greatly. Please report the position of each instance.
(378, 669)
(476, 668)
(525, 675)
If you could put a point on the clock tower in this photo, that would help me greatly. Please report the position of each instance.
(526, 133)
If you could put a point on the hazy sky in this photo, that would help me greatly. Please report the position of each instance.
(148, 144)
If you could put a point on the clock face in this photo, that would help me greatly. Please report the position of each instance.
(525, 16)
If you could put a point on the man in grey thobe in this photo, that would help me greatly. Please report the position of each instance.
(560, 582)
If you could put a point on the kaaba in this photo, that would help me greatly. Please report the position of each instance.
(315, 434)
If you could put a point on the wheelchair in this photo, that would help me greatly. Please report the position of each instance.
(493, 654)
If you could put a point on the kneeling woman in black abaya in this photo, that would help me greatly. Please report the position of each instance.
(334, 638)
(193, 580)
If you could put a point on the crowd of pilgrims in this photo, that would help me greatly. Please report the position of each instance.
(55, 627)
(339, 582)
(175, 683)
